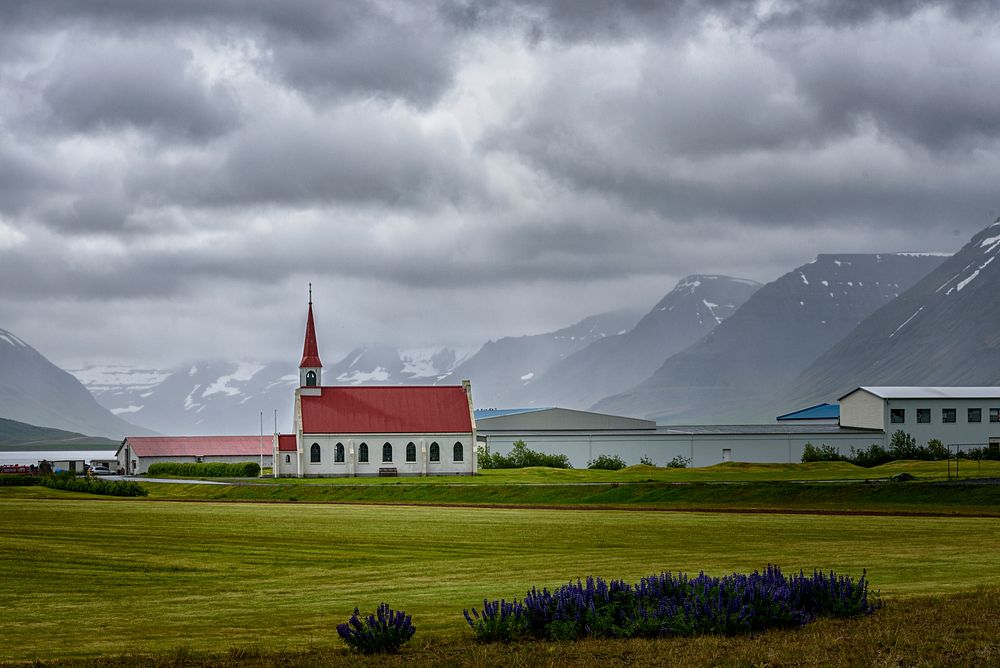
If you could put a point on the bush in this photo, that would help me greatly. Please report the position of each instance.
(71, 483)
(385, 632)
(607, 463)
(673, 605)
(679, 462)
(19, 480)
(823, 453)
(205, 470)
(646, 460)
(521, 457)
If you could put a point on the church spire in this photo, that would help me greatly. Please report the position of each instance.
(310, 365)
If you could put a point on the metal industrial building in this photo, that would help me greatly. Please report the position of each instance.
(969, 416)
(583, 436)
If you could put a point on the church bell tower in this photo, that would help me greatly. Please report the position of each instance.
(310, 368)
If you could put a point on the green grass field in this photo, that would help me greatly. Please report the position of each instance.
(85, 577)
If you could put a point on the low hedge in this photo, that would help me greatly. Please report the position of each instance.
(71, 483)
(19, 480)
(206, 470)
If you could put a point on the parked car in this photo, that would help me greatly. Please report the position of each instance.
(100, 469)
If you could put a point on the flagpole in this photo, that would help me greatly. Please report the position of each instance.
(261, 472)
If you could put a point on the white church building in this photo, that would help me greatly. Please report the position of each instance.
(362, 430)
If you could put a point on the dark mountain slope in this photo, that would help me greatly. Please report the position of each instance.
(733, 373)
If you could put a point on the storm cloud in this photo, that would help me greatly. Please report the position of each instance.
(173, 174)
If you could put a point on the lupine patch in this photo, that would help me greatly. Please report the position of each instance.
(385, 632)
(674, 605)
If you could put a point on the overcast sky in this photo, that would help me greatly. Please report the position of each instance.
(173, 174)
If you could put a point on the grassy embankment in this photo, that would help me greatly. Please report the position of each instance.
(83, 578)
(728, 472)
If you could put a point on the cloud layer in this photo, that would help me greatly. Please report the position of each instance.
(173, 174)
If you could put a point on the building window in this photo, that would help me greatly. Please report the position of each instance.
(314, 454)
(727, 454)
(949, 415)
(459, 452)
(995, 415)
(338, 453)
(363, 453)
(411, 452)
(386, 452)
(923, 415)
(288, 459)
(310, 379)
(897, 415)
(975, 415)
(435, 452)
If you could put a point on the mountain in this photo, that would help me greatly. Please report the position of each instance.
(945, 330)
(35, 391)
(615, 363)
(15, 434)
(501, 369)
(733, 373)
(223, 397)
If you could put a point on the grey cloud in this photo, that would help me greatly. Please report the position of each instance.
(96, 84)
(326, 49)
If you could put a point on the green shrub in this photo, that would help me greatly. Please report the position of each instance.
(823, 453)
(607, 463)
(521, 456)
(679, 462)
(645, 459)
(71, 483)
(205, 470)
(19, 480)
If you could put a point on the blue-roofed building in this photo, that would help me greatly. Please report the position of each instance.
(818, 414)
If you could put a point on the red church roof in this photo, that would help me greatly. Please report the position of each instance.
(286, 442)
(196, 446)
(310, 351)
(386, 410)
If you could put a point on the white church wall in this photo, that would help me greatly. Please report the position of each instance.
(351, 466)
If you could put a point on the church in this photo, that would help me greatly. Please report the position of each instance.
(378, 430)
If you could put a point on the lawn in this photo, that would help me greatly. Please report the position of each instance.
(106, 577)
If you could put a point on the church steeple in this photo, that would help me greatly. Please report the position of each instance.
(310, 368)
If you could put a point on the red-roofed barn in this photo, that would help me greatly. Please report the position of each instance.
(136, 453)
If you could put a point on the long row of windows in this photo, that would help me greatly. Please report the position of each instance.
(948, 415)
(315, 453)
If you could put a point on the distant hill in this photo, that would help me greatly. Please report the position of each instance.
(35, 391)
(945, 330)
(735, 372)
(695, 306)
(20, 434)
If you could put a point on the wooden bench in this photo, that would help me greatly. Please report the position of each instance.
(388, 472)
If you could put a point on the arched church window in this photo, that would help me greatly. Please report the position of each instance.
(459, 452)
(314, 453)
(363, 453)
(387, 452)
(435, 452)
(288, 459)
(310, 379)
(411, 452)
(338, 453)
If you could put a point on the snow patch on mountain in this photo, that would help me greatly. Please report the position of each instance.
(244, 372)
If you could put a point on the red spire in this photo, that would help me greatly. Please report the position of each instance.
(310, 351)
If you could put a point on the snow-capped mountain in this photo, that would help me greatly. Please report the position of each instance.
(615, 363)
(501, 369)
(219, 397)
(35, 391)
(945, 330)
(734, 372)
